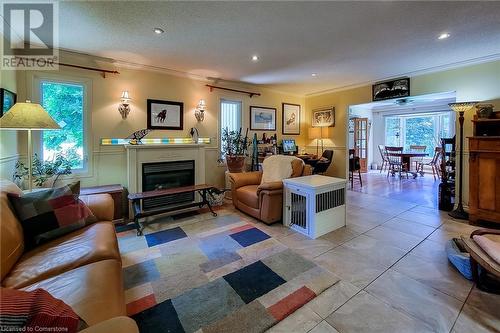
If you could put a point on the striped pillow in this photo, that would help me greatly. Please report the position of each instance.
(51, 213)
(36, 311)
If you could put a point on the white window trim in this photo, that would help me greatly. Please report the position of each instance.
(37, 79)
(219, 129)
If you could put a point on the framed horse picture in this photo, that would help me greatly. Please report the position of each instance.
(165, 115)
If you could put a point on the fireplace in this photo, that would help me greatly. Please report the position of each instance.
(165, 175)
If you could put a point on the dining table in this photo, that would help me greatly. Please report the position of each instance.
(406, 158)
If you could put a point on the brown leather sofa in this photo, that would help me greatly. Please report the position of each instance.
(262, 201)
(82, 268)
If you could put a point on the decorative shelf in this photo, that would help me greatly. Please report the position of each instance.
(154, 141)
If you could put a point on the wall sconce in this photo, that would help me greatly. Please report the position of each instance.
(199, 112)
(124, 107)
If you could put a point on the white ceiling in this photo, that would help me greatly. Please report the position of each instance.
(346, 43)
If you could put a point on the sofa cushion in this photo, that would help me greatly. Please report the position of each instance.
(11, 233)
(51, 213)
(93, 243)
(94, 291)
(33, 310)
(248, 195)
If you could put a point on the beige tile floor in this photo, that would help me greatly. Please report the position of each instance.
(394, 274)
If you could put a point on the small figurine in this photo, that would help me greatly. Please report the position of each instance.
(137, 136)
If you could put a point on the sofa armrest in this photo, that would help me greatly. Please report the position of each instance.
(270, 186)
(101, 205)
(245, 178)
(307, 171)
(117, 324)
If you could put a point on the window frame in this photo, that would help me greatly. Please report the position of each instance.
(437, 119)
(37, 80)
(235, 101)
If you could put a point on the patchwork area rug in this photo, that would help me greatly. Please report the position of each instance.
(223, 274)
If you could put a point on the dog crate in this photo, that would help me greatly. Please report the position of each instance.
(314, 205)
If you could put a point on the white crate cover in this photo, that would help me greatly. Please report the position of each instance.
(314, 205)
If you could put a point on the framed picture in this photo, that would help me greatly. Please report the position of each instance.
(290, 119)
(323, 117)
(7, 100)
(262, 118)
(165, 115)
(391, 89)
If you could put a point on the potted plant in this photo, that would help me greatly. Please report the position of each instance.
(234, 149)
(44, 172)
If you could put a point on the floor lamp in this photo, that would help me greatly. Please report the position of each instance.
(461, 108)
(28, 116)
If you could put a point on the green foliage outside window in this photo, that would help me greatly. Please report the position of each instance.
(64, 102)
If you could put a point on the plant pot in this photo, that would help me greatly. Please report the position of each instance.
(484, 111)
(235, 163)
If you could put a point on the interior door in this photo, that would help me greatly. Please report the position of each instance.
(361, 141)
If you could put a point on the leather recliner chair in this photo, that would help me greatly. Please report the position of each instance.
(262, 201)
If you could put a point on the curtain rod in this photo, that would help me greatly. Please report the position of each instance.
(103, 71)
(251, 94)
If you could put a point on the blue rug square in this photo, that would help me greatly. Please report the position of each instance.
(140, 273)
(165, 236)
(161, 318)
(250, 236)
(253, 281)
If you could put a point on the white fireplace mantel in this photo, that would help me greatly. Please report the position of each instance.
(137, 155)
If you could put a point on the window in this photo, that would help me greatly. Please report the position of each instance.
(424, 129)
(65, 102)
(230, 116)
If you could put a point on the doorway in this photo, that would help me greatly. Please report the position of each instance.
(416, 124)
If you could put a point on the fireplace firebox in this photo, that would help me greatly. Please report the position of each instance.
(165, 175)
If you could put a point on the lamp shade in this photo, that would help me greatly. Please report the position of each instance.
(28, 116)
(314, 132)
(125, 97)
(202, 105)
(462, 106)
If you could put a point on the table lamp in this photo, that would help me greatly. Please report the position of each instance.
(28, 116)
(461, 108)
(317, 133)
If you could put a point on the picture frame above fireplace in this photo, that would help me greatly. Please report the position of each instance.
(165, 115)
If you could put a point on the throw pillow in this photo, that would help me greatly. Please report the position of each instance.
(51, 213)
(36, 311)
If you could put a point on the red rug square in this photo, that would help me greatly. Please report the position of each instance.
(292, 302)
(141, 304)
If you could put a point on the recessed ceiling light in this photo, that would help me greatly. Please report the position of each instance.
(158, 31)
(314, 74)
(444, 35)
(255, 58)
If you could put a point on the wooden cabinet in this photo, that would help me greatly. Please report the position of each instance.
(484, 178)
(361, 142)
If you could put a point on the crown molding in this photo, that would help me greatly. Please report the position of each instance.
(435, 69)
(163, 70)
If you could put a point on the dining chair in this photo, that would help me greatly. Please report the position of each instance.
(354, 165)
(434, 163)
(395, 160)
(385, 162)
(420, 159)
